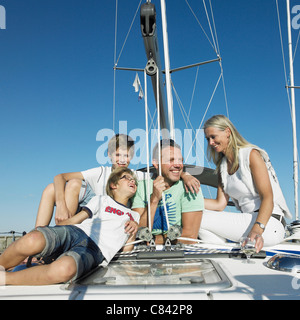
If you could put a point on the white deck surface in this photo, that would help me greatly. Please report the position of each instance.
(249, 281)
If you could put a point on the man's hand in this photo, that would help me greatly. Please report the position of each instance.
(159, 186)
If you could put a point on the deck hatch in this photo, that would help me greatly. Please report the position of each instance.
(156, 275)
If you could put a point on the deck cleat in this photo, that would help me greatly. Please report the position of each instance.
(152, 245)
(174, 232)
(144, 234)
(168, 244)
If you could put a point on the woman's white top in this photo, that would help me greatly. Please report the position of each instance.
(241, 189)
(238, 191)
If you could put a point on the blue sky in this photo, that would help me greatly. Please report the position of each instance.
(56, 85)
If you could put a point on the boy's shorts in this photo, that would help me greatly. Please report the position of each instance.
(70, 241)
(85, 195)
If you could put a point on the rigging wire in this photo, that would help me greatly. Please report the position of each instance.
(211, 32)
(187, 121)
(159, 149)
(210, 101)
(116, 60)
(132, 22)
(193, 93)
(192, 11)
(215, 29)
(214, 43)
(115, 57)
(219, 54)
(296, 47)
(283, 55)
(284, 62)
(224, 90)
(207, 108)
(147, 150)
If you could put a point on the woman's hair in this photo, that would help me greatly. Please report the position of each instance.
(236, 141)
(115, 177)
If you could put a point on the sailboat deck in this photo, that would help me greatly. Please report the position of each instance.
(162, 275)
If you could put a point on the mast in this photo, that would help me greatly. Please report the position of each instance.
(149, 33)
(167, 69)
(292, 88)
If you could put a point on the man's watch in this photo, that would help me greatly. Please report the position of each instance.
(262, 226)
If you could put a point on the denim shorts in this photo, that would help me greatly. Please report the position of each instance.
(85, 195)
(70, 241)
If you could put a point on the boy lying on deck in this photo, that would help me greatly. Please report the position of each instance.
(93, 236)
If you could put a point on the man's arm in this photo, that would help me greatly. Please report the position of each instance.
(143, 212)
(158, 187)
(191, 222)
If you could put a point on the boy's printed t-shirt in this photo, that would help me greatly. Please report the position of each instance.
(106, 225)
(97, 178)
(178, 201)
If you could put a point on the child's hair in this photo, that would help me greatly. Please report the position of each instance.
(115, 177)
(121, 141)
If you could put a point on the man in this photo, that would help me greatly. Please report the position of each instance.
(93, 236)
(184, 208)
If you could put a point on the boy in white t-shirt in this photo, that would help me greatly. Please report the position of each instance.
(93, 236)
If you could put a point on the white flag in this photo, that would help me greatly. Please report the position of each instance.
(137, 87)
(136, 83)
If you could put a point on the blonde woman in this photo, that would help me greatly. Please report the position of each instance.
(248, 178)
